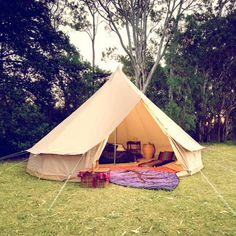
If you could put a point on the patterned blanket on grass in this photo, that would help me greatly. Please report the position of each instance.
(147, 179)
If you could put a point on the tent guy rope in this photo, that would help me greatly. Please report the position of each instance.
(219, 195)
(63, 186)
(16, 154)
(11, 167)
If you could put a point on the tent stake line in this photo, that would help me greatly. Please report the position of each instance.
(13, 155)
(63, 186)
(11, 167)
(219, 195)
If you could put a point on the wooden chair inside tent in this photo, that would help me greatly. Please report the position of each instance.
(134, 147)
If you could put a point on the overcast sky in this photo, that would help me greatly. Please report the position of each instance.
(104, 40)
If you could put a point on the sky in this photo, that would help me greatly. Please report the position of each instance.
(104, 39)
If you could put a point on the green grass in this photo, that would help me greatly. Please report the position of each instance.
(193, 208)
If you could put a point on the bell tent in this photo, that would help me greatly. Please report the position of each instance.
(117, 107)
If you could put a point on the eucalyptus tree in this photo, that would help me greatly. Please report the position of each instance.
(57, 11)
(142, 26)
(85, 18)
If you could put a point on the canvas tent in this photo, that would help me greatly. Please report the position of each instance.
(118, 106)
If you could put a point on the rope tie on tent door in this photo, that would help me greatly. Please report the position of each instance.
(219, 195)
(63, 186)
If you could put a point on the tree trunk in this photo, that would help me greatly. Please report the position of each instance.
(93, 57)
(207, 134)
(93, 44)
(151, 73)
(200, 131)
(170, 91)
(223, 133)
(225, 129)
(137, 76)
(218, 130)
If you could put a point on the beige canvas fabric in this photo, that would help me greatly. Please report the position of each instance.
(118, 107)
(92, 122)
(169, 127)
(190, 160)
(53, 166)
(140, 125)
(59, 167)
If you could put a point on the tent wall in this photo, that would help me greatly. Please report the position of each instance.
(91, 122)
(194, 161)
(190, 160)
(59, 167)
(52, 166)
(140, 125)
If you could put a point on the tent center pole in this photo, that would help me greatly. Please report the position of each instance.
(115, 141)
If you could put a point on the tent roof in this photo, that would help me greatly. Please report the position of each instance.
(100, 115)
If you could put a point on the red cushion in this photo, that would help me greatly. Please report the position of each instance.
(151, 163)
(165, 156)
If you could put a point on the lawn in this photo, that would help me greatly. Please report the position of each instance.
(193, 208)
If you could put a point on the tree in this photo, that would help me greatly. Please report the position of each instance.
(205, 53)
(82, 11)
(143, 26)
(57, 12)
(42, 76)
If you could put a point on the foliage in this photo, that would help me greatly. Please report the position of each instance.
(157, 90)
(185, 119)
(27, 116)
(179, 107)
(196, 87)
(204, 56)
(193, 208)
(143, 27)
(42, 76)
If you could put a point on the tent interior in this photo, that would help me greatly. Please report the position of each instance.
(138, 126)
